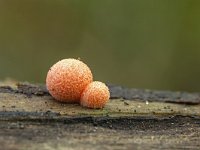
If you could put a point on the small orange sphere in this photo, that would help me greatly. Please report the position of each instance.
(96, 95)
(67, 79)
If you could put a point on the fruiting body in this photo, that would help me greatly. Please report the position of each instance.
(96, 95)
(67, 79)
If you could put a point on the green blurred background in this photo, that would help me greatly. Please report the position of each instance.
(135, 43)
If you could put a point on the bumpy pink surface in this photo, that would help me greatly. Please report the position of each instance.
(96, 95)
(67, 79)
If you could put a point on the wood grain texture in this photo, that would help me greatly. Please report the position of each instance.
(31, 119)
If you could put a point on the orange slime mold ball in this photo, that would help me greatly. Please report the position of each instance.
(67, 79)
(96, 95)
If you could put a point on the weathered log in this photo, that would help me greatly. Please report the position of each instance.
(142, 119)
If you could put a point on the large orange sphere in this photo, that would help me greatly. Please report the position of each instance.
(67, 79)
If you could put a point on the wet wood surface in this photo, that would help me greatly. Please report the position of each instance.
(133, 119)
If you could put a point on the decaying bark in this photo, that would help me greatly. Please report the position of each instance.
(142, 119)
